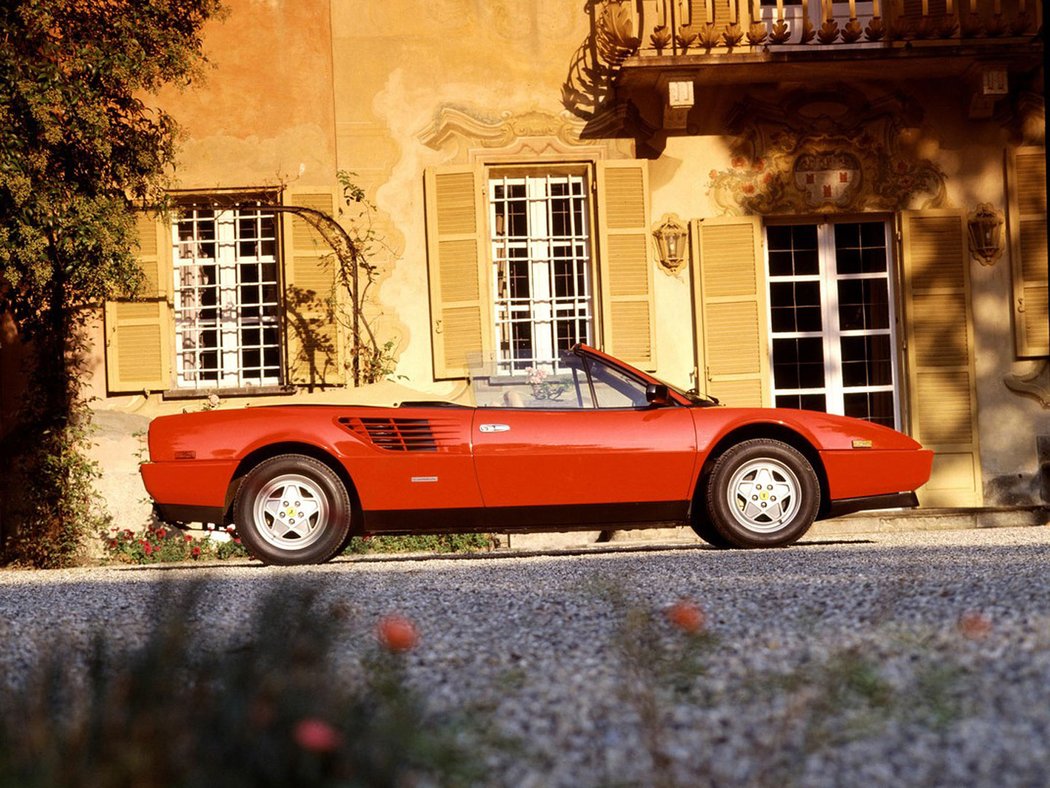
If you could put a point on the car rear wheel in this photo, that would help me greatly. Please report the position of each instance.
(762, 493)
(292, 509)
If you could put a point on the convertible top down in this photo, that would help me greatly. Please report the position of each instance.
(587, 442)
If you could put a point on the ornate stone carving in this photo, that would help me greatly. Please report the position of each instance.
(1035, 383)
(464, 135)
(453, 124)
(820, 152)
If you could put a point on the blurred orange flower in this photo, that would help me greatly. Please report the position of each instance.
(975, 626)
(397, 633)
(687, 616)
(316, 735)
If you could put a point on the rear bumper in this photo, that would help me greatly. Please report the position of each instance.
(189, 491)
(904, 500)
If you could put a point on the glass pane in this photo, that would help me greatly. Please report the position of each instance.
(817, 402)
(798, 363)
(613, 389)
(860, 247)
(864, 304)
(795, 306)
(793, 250)
(867, 361)
(874, 406)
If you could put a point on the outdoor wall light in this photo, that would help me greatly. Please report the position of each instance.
(986, 233)
(671, 237)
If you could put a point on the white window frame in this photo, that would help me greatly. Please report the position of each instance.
(229, 324)
(542, 310)
(834, 389)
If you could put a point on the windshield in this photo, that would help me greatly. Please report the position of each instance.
(576, 381)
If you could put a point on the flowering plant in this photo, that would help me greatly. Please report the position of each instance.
(541, 387)
(161, 544)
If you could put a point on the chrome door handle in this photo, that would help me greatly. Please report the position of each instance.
(494, 428)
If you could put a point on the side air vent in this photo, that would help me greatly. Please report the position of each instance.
(398, 434)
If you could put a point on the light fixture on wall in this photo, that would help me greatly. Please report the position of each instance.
(671, 242)
(986, 233)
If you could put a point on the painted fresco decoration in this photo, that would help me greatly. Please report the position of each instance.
(821, 153)
(465, 134)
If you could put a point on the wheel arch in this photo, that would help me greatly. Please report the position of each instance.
(272, 450)
(768, 431)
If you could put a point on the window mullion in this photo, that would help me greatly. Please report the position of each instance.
(830, 302)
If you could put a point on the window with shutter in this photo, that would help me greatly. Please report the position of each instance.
(539, 225)
(626, 273)
(730, 300)
(460, 304)
(1028, 257)
(833, 319)
(227, 322)
(940, 354)
(513, 263)
(138, 333)
(313, 341)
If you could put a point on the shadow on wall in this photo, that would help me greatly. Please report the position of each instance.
(588, 85)
(311, 322)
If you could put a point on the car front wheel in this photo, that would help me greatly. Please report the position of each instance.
(292, 509)
(762, 493)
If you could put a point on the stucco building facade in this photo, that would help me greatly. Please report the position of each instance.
(837, 206)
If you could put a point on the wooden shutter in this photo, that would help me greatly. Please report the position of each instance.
(460, 295)
(625, 262)
(1027, 229)
(940, 354)
(729, 288)
(138, 333)
(313, 339)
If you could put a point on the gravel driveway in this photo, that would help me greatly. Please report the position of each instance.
(895, 659)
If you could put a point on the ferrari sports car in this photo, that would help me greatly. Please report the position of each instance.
(588, 442)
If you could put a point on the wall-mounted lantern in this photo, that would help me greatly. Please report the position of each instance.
(985, 225)
(671, 237)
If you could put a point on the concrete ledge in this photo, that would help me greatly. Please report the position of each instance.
(933, 520)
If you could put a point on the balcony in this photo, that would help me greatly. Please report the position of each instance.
(672, 28)
(664, 46)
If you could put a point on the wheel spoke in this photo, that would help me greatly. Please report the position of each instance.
(764, 495)
(291, 511)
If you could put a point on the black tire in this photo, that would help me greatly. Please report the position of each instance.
(761, 493)
(703, 528)
(292, 509)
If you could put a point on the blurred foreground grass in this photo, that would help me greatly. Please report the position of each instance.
(302, 694)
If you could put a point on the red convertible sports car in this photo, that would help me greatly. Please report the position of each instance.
(590, 442)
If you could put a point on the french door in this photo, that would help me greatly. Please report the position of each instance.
(833, 340)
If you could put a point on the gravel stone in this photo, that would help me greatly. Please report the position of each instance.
(835, 662)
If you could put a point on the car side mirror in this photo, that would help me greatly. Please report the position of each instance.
(657, 394)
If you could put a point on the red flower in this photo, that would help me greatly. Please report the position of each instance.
(748, 188)
(161, 533)
(187, 538)
(397, 633)
(147, 548)
(316, 735)
(195, 552)
(974, 626)
(687, 616)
